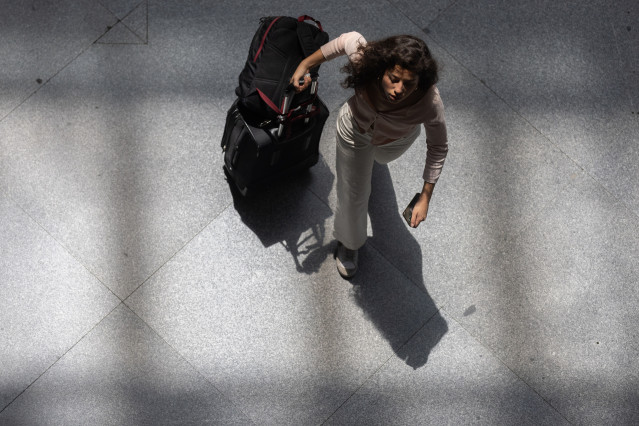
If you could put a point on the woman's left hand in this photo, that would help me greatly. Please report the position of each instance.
(420, 211)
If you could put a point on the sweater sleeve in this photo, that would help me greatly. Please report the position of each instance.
(345, 44)
(436, 140)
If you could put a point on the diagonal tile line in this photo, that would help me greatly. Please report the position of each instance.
(121, 21)
(310, 189)
(126, 14)
(150, 328)
(441, 12)
(70, 253)
(183, 358)
(493, 354)
(516, 112)
(136, 35)
(120, 303)
(146, 27)
(540, 133)
(421, 288)
(372, 245)
(60, 357)
(381, 366)
(82, 51)
(64, 247)
(477, 338)
(55, 74)
(178, 251)
(492, 91)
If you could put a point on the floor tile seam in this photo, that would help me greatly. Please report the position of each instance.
(538, 131)
(548, 139)
(431, 21)
(187, 362)
(518, 234)
(134, 8)
(141, 41)
(488, 348)
(450, 6)
(421, 288)
(325, 202)
(526, 120)
(177, 252)
(56, 73)
(357, 389)
(146, 27)
(101, 3)
(53, 364)
(66, 249)
(383, 364)
(121, 21)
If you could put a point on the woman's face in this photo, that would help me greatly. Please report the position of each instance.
(398, 83)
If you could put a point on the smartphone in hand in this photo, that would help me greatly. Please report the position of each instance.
(408, 212)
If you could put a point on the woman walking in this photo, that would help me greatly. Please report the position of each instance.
(395, 93)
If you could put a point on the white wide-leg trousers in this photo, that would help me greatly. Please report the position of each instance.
(354, 168)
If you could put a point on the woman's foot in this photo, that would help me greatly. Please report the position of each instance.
(346, 260)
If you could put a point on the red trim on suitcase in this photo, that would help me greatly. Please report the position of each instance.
(264, 38)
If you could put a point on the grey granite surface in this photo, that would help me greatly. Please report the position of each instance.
(137, 288)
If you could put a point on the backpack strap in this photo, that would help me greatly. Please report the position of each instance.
(310, 18)
(305, 34)
(264, 38)
(269, 102)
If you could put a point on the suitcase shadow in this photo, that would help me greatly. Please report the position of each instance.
(288, 213)
(401, 309)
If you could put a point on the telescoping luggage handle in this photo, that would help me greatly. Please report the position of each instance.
(305, 38)
(286, 104)
(283, 111)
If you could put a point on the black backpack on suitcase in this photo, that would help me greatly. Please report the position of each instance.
(270, 130)
(279, 45)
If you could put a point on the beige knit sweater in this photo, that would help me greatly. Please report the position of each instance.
(392, 121)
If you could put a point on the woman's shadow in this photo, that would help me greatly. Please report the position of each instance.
(396, 299)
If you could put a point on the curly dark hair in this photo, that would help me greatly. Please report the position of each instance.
(377, 57)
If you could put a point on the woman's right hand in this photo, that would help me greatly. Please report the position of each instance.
(302, 73)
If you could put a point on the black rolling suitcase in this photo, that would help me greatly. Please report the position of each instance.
(258, 153)
(270, 130)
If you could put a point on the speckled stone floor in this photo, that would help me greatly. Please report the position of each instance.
(136, 289)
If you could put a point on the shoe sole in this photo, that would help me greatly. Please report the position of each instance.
(345, 275)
